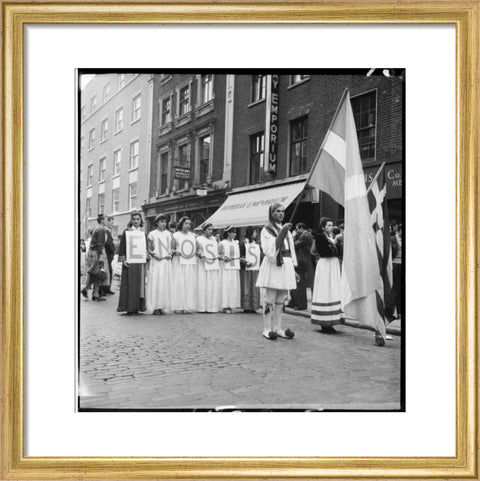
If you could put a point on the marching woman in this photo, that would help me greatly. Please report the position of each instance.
(229, 253)
(184, 268)
(249, 292)
(132, 286)
(327, 290)
(208, 272)
(277, 272)
(159, 278)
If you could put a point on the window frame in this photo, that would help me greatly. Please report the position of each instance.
(104, 132)
(132, 143)
(117, 120)
(291, 143)
(101, 172)
(91, 139)
(260, 153)
(114, 192)
(262, 91)
(130, 206)
(115, 163)
(101, 211)
(353, 98)
(136, 109)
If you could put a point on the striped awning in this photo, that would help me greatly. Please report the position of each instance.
(251, 208)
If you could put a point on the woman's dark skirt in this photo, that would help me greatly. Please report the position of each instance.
(250, 294)
(132, 289)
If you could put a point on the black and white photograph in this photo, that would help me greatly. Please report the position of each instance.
(240, 240)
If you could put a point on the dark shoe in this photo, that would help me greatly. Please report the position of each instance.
(109, 293)
(271, 336)
(328, 330)
(227, 310)
(95, 298)
(288, 334)
(84, 292)
(159, 312)
(299, 308)
(379, 340)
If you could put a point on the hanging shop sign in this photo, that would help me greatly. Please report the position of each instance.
(271, 124)
(181, 173)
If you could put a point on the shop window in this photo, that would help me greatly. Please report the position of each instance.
(257, 150)
(298, 146)
(365, 114)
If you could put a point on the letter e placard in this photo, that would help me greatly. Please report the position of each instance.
(136, 247)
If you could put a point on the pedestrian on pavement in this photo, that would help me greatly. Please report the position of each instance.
(229, 253)
(208, 296)
(96, 255)
(277, 272)
(303, 243)
(326, 299)
(159, 277)
(249, 292)
(172, 227)
(110, 251)
(132, 285)
(184, 268)
(396, 241)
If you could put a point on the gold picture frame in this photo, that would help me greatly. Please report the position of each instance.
(464, 15)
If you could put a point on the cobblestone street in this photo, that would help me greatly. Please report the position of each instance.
(210, 360)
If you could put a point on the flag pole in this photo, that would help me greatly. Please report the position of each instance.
(376, 177)
(299, 198)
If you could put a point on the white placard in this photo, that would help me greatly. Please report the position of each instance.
(210, 251)
(232, 252)
(187, 250)
(252, 256)
(136, 247)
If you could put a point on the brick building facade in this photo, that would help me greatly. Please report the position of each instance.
(115, 143)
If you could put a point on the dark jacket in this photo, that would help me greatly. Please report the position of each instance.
(98, 239)
(302, 248)
(324, 247)
(109, 245)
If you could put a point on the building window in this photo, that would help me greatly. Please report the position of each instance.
(206, 88)
(184, 100)
(117, 160)
(183, 160)
(89, 175)
(91, 139)
(104, 130)
(166, 107)
(132, 196)
(163, 184)
(119, 120)
(101, 169)
(258, 87)
(93, 104)
(88, 207)
(121, 81)
(204, 160)
(101, 204)
(257, 150)
(115, 200)
(295, 79)
(298, 146)
(136, 108)
(364, 112)
(134, 151)
(106, 92)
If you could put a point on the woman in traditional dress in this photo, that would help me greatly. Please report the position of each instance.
(250, 293)
(132, 286)
(277, 272)
(184, 268)
(326, 298)
(159, 279)
(208, 272)
(229, 252)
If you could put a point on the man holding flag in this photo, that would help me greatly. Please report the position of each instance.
(338, 171)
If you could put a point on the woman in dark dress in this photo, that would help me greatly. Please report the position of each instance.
(132, 287)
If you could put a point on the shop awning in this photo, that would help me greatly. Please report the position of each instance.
(251, 208)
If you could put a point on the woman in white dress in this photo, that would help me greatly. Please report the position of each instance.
(277, 272)
(208, 297)
(184, 268)
(327, 287)
(159, 278)
(229, 252)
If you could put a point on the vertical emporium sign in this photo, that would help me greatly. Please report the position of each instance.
(271, 124)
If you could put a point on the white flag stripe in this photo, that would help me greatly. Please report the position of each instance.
(336, 147)
(355, 187)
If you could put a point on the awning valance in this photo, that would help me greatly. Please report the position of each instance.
(251, 208)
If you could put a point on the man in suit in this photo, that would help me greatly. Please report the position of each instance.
(304, 269)
(110, 251)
